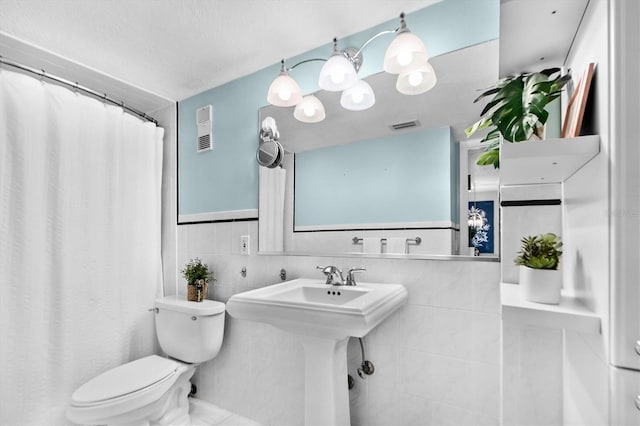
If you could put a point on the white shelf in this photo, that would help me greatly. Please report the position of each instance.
(570, 314)
(545, 161)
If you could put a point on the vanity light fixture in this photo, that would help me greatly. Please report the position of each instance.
(358, 97)
(284, 91)
(406, 56)
(405, 52)
(339, 72)
(309, 110)
(418, 80)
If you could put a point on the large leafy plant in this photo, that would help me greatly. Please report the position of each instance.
(516, 110)
(540, 251)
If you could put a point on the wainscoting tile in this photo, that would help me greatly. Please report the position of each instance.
(486, 286)
(434, 357)
(485, 385)
(444, 414)
(485, 337)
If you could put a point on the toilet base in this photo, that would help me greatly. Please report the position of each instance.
(172, 408)
(176, 405)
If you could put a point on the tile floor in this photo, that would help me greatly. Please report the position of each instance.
(206, 414)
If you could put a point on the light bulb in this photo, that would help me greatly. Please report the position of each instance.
(284, 91)
(404, 57)
(337, 74)
(309, 110)
(284, 94)
(415, 78)
(357, 96)
(337, 77)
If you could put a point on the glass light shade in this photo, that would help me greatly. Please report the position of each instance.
(337, 74)
(418, 80)
(309, 110)
(284, 91)
(406, 51)
(358, 97)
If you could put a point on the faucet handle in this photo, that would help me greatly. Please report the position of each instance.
(351, 279)
(328, 271)
(331, 272)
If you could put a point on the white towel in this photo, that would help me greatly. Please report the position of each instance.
(271, 204)
(396, 245)
(371, 245)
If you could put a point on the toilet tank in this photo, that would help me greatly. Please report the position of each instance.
(189, 331)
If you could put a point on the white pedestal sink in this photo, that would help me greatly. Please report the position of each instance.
(322, 317)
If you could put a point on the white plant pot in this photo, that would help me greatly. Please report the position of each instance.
(541, 285)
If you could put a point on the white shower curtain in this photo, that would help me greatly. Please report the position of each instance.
(79, 243)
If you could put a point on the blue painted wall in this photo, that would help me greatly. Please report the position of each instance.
(226, 178)
(385, 180)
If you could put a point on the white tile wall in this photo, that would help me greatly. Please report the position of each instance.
(436, 359)
(532, 382)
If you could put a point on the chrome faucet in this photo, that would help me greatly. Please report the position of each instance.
(334, 275)
(351, 279)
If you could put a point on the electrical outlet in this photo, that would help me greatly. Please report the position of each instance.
(244, 244)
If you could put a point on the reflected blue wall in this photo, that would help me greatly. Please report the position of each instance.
(384, 180)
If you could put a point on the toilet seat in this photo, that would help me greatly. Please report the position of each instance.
(126, 388)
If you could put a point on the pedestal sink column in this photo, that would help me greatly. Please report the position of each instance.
(326, 391)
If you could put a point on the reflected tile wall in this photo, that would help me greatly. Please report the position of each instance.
(436, 359)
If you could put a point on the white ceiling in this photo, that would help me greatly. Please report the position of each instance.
(178, 48)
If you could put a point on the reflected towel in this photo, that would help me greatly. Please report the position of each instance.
(271, 205)
(371, 245)
(396, 245)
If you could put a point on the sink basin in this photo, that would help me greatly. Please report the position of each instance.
(322, 317)
(309, 306)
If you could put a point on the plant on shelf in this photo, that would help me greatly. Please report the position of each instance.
(516, 110)
(539, 259)
(198, 276)
(540, 251)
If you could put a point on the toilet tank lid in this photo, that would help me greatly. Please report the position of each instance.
(180, 304)
(125, 379)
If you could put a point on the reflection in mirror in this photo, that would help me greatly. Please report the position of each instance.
(479, 233)
(385, 175)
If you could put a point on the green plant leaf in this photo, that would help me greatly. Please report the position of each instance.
(491, 157)
(540, 252)
(483, 123)
(517, 107)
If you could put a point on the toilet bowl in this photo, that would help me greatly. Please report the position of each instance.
(154, 390)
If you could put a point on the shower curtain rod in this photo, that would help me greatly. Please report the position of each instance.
(103, 96)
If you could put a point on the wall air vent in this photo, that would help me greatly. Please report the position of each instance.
(405, 125)
(204, 119)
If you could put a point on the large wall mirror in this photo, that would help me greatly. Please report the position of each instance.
(400, 178)
(387, 180)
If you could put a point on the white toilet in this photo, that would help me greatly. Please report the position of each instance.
(154, 390)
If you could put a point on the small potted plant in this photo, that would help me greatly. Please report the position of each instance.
(516, 110)
(197, 275)
(539, 275)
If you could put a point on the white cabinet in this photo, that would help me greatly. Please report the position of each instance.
(624, 396)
